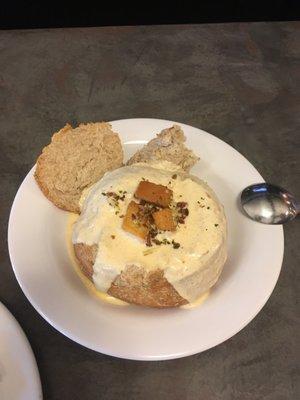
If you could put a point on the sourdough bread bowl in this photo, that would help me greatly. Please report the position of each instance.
(148, 233)
(166, 268)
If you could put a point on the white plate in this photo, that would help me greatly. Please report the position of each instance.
(40, 260)
(19, 377)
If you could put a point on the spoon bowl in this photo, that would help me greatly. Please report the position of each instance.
(269, 204)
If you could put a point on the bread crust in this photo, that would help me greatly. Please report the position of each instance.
(75, 159)
(86, 255)
(134, 284)
(168, 145)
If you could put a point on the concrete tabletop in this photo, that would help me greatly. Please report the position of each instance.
(240, 82)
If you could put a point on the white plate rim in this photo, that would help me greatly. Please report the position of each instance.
(30, 358)
(174, 355)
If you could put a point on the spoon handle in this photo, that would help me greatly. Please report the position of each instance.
(297, 207)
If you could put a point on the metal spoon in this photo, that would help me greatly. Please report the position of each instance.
(269, 204)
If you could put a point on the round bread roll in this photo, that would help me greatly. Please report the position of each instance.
(74, 160)
(179, 265)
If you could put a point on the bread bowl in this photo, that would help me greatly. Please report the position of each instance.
(161, 275)
(170, 255)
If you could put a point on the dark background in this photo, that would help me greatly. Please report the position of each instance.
(50, 14)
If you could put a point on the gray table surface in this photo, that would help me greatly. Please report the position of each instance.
(240, 82)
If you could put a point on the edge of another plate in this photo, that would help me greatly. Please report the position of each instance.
(30, 361)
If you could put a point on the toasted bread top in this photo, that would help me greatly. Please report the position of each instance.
(167, 146)
(75, 159)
